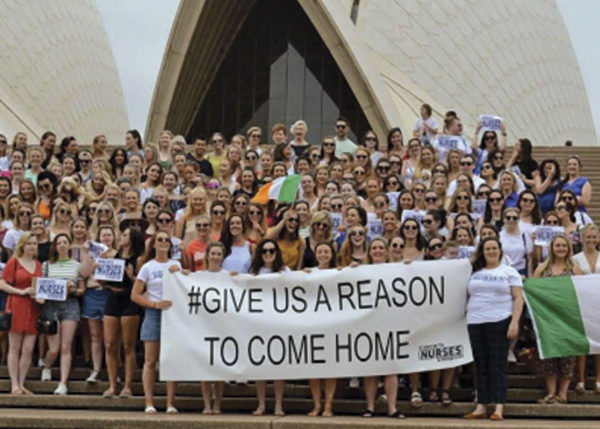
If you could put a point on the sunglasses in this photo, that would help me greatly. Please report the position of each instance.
(511, 218)
(436, 246)
(393, 183)
(427, 221)
(340, 127)
(162, 240)
(463, 197)
(254, 213)
(164, 220)
(219, 212)
(357, 234)
(486, 167)
(439, 171)
(322, 225)
(466, 163)
(397, 245)
(383, 167)
(85, 161)
(499, 158)
(495, 200)
(489, 138)
(431, 199)
(92, 209)
(315, 155)
(268, 251)
(293, 219)
(64, 211)
(529, 200)
(552, 222)
(565, 198)
(251, 158)
(361, 156)
(336, 206)
(241, 203)
(202, 225)
(418, 190)
(379, 204)
(410, 227)
(359, 173)
(44, 187)
(25, 213)
(329, 144)
(103, 211)
(482, 194)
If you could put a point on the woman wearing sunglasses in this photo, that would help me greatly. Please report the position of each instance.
(267, 259)
(287, 235)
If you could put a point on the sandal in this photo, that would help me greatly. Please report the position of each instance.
(548, 399)
(416, 400)
(397, 415)
(433, 396)
(446, 398)
(368, 413)
(559, 400)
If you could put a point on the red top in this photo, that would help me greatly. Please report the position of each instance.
(25, 310)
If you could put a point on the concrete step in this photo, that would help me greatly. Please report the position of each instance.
(53, 419)
(292, 406)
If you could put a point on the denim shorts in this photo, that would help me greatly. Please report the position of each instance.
(151, 325)
(62, 310)
(94, 303)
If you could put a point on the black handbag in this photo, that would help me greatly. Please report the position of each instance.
(46, 326)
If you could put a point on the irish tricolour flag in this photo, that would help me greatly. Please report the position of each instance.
(282, 189)
(566, 314)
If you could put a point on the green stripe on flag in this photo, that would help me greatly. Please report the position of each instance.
(289, 189)
(556, 316)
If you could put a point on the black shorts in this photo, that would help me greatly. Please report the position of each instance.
(119, 304)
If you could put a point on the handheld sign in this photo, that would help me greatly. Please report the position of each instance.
(465, 252)
(393, 196)
(544, 234)
(413, 214)
(479, 208)
(375, 227)
(51, 289)
(176, 243)
(111, 270)
(97, 249)
(336, 221)
(490, 122)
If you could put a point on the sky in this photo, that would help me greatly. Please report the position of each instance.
(138, 35)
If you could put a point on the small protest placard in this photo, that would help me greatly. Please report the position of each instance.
(413, 214)
(490, 122)
(544, 234)
(465, 252)
(111, 270)
(515, 170)
(393, 196)
(97, 249)
(479, 208)
(375, 227)
(336, 221)
(51, 289)
(176, 242)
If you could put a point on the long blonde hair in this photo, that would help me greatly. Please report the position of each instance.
(189, 210)
(551, 259)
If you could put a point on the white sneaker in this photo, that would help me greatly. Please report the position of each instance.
(93, 377)
(511, 356)
(46, 374)
(41, 363)
(354, 383)
(61, 389)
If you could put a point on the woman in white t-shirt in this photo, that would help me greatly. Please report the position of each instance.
(494, 306)
(268, 259)
(156, 261)
(589, 262)
(515, 243)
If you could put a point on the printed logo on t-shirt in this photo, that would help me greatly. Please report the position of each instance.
(156, 275)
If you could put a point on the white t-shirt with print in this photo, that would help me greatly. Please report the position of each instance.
(517, 247)
(490, 299)
(152, 274)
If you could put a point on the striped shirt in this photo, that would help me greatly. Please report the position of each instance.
(66, 269)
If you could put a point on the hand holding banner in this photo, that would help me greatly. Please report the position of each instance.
(545, 234)
(110, 270)
(490, 122)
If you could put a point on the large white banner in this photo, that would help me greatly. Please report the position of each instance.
(370, 320)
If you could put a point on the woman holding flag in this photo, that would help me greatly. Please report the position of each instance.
(557, 370)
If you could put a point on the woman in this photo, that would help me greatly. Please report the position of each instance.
(133, 143)
(38, 228)
(461, 201)
(462, 236)
(566, 216)
(320, 231)
(240, 204)
(95, 299)
(378, 254)
(327, 151)
(569, 197)
(392, 184)
(414, 244)
(299, 130)
(17, 173)
(61, 220)
(164, 149)
(530, 216)
(395, 143)
(354, 247)
(150, 213)
(286, 233)
(213, 261)
(453, 160)
(516, 244)
(5, 189)
(249, 184)
(122, 315)
(371, 143)
(522, 157)
(267, 259)
(238, 251)
(218, 214)
(99, 144)
(61, 266)
(226, 175)
(251, 160)
(396, 246)
(36, 157)
(489, 142)
(557, 370)
(153, 173)
(118, 161)
(325, 259)
(196, 249)
(363, 159)
(309, 189)
(390, 224)
(494, 207)
(494, 306)
(266, 163)
(488, 174)
(21, 225)
(581, 186)
(104, 215)
(508, 186)
(372, 187)
(547, 184)
(17, 278)
(427, 160)
(359, 181)
(588, 262)
(321, 179)
(434, 224)
(418, 192)
(69, 164)
(410, 165)
(155, 262)
(303, 210)
(27, 191)
(185, 228)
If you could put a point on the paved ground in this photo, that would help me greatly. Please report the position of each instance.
(37, 418)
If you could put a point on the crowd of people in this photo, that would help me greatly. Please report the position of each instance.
(190, 206)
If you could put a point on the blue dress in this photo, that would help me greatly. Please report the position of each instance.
(546, 199)
(576, 187)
